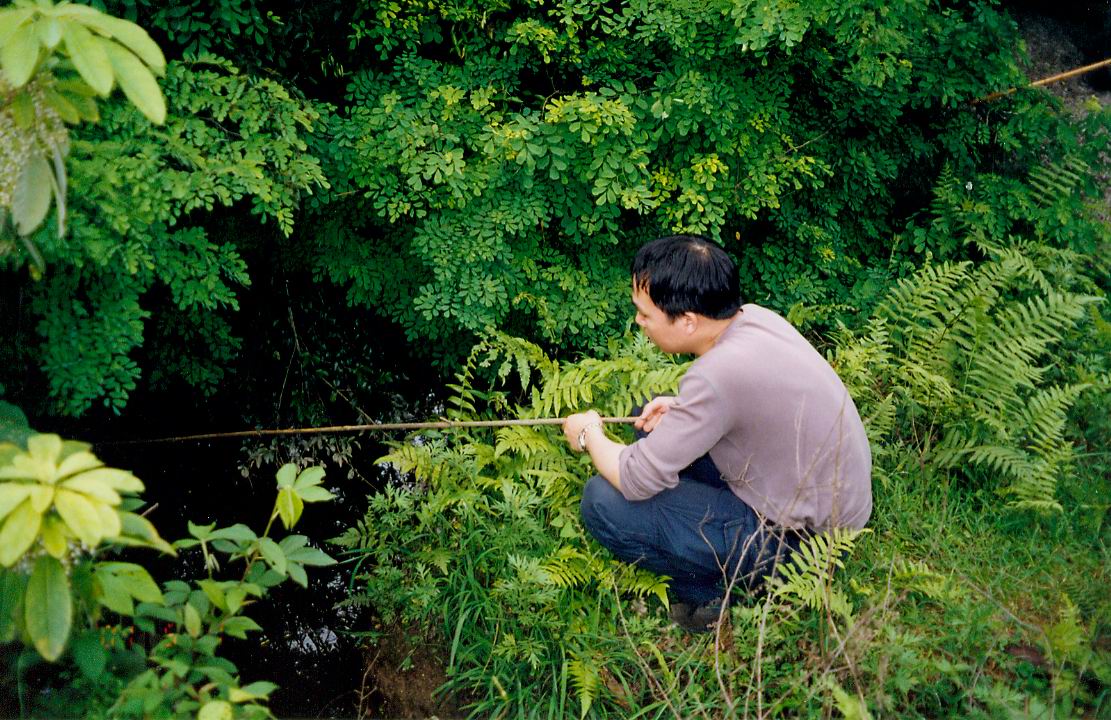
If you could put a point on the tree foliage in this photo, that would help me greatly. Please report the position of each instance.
(509, 157)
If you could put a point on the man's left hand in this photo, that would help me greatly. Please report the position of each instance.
(573, 425)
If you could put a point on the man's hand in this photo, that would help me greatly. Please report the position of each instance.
(653, 412)
(574, 424)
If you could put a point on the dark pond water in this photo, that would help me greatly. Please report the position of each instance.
(308, 646)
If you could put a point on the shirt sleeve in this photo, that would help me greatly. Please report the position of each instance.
(687, 432)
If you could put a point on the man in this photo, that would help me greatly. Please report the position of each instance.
(762, 446)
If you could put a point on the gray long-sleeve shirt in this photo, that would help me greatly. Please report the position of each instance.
(777, 422)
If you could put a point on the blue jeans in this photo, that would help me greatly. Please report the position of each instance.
(698, 533)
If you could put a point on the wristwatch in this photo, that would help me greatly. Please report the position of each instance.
(582, 434)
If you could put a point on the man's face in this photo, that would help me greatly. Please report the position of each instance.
(667, 334)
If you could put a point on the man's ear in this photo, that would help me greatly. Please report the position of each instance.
(690, 323)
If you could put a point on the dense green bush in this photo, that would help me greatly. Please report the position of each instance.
(505, 176)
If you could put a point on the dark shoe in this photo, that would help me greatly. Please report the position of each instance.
(696, 618)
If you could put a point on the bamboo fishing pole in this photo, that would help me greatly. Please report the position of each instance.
(1047, 80)
(369, 427)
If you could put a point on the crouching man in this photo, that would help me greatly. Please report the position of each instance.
(761, 447)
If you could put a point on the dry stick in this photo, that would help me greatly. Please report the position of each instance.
(1047, 80)
(370, 427)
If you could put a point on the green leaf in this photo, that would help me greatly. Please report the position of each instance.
(19, 531)
(12, 587)
(314, 494)
(311, 556)
(113, 594)
(235, 597)
(273, 554)
(89, 56)
(215, 592)
(192, 621)
(47, 609)
(216, 710)
(259, 690)
(201, 532)
(62, 105)
(137, 82)
(89, 655)
(138, 527)
(309, 477)
(290, 506)
(297, 574)
(238, 532)
(20, 54)
(239, 625)
(31, 195)
(136, 579)
(286, 475)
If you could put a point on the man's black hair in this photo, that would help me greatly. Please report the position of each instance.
(688, 273)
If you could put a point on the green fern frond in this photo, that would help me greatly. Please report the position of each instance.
(586, 680)
(1053, 182)
(917, 576)
(569, 568)
(807, 576)
(523, 440)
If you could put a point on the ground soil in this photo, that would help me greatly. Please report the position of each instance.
(403, 670)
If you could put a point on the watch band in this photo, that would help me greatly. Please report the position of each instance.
(582, 433)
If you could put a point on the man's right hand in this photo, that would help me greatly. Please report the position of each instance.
(653, 412)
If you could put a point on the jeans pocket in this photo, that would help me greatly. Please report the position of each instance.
(740, 545)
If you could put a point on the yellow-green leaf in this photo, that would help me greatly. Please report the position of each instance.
(88, 56)
(42, 497)
(80, 513)
(11, 21)
(20, 54)
(31, 198)
(19, 531)
(11, 495)
(45, 446)
(309, 477)
(49, 31)
(137, 82)
(286, 475)
(119, 480)
(76, 463)
(91, 487)
(109, 519)
(133, 37)
(289, 507)
(216, 710)
(54, 536)
(47, 608)
(138, 527)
